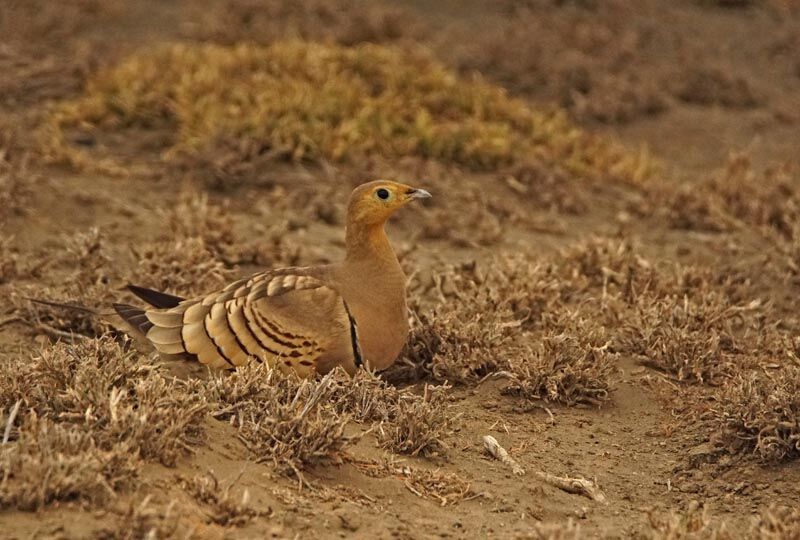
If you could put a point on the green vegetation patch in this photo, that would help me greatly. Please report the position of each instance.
(296, 100)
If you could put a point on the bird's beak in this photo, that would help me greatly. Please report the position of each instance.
(418, 194)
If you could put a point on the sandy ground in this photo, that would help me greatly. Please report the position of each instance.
(638, 75)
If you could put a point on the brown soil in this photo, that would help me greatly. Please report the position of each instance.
(692, 81)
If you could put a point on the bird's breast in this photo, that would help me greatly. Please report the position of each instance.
(378, 305)
(382, 333)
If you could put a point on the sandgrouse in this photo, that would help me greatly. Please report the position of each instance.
(307, 319)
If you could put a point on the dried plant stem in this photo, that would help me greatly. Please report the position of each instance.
(55, 333)
(9, 320)
(500, 453)
(579, 486)
(10, 423)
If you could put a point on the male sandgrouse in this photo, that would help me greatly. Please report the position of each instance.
(307, 319)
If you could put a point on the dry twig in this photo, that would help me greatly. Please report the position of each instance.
(500, 453)
(10, 423)
(579, 486)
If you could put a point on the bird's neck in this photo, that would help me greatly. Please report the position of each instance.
(369, 243)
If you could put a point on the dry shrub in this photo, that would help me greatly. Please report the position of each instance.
(695, 339)
(191, 259)
(769, 198)
(571, 365)
(40, 58)
(85, 282)
(696, 324)
(759, 413)
(203, 249)
(289, 421)
(739, 194)
(613, 265)
(417, 424)
(97, 387)
(548, 188)
(554, 531)
(473, 225)
(223, 510)
(61, 462)
(774, 523)
(41, 22)
(143, 520)
(9, 260)
(343, 21)
(443, 487)
(499, 323)
(455, 346)
(586, 58)
(326, 102)
(778, 523)
(185, 266)
(365, 397)
(404, 422)
(707, 85)
(15, 181)
(693, 524)
(692, 209)
(614, 99)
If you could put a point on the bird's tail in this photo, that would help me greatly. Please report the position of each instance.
(73, 307)
(135, 318)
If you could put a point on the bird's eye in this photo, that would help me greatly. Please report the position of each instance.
(382, 194)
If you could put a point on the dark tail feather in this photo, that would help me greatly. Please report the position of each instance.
(74, 307)
(154, 298)
(135, 317)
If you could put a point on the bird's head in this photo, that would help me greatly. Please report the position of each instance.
(374, 202)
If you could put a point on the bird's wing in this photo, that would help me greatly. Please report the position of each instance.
(287, 318)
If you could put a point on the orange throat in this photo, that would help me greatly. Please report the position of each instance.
(369, 242)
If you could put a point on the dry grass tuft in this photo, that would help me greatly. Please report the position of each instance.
(288, 421)
(84, 282)
(695, 339)
(99, 388)
(502, 323)
(204, 250)
(143, 520)
(403, 421)
(185, 266)
(222, 508)
(61, 462)
(9, 261)
(15, 180)
(192, 259)
(759, 413)
(571, 366)
(715, 85)
(534, 50)
(365, 397)
(41, 58)
(694, 324)
(343, 103)
(774, 523)
(416, 425)
(343, 21)
(778, 523)
(456, 346)
(445, 488)
(555, 531)
(693, 524)
(740, 195)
